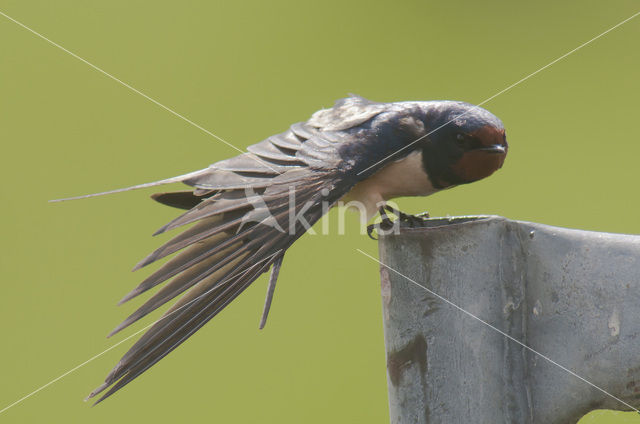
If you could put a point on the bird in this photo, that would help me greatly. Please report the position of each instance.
(244, 219)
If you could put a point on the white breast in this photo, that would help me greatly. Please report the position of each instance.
(404, 177)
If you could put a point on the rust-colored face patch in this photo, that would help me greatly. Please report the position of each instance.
(490, 136)
(477, 164)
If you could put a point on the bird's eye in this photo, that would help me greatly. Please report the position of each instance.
(463, 141)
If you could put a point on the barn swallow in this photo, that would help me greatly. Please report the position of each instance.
(242, 211)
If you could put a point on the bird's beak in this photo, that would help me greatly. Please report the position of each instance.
(496, 148)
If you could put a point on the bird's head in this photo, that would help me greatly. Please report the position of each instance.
(467, 143)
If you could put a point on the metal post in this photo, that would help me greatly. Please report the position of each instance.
(573, 296)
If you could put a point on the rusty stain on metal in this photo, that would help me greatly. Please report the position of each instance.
(415, 352)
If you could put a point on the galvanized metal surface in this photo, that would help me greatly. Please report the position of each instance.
(571, 295)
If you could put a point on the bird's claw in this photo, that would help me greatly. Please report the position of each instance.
(383, 227)
(386, 224)
(370, 229)
(411, 220)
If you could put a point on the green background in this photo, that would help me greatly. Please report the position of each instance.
(246, 70)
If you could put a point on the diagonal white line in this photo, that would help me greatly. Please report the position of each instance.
(134, 334)
(499, 331)
(119, 81)
(504, 90)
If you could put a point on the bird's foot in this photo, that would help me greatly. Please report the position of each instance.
(410, 220)
(386, 225)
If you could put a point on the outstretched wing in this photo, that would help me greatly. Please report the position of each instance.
(241, 210)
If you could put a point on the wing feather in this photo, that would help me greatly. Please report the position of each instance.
(287, 140)
(240, 211)
(272, 152)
